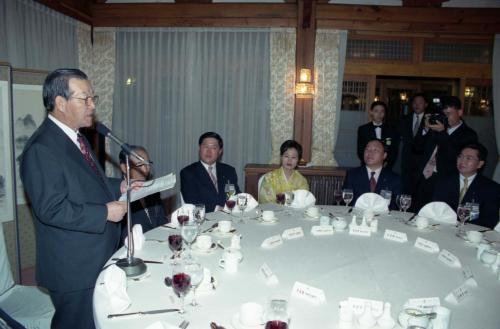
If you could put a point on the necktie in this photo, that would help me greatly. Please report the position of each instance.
(86, 155)
(463, 190)
(373, 182)
(212, 177)
(430, 165)
(416, 125)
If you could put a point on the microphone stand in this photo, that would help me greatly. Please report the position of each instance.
(131, 265)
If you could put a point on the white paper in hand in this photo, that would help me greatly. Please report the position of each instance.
(152, 186)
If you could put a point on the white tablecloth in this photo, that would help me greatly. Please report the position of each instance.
(342, 265)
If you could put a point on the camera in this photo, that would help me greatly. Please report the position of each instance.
(439, 117)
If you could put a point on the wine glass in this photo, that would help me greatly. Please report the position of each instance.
(195, 271)
(398, 201)
(242, 201)
(175, 244)
(182, 215)
(337, 196)
(199, 213)
(181, 283)
(230, 190)
(463, 214)
(189, 231)
(347, 195)
(405, 201)
(387, 195)
(277, 314)
(230, 203)
(280, 198)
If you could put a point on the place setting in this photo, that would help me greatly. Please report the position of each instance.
(312, 213)
(252, 315)
(268, 217)
(204, 245)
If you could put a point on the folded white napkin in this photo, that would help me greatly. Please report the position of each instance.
(138, 236)
(173, 218)
(371, 201)
(161, 325)
(251, 203)
(115, 285)
(303, 199)
(439, 211)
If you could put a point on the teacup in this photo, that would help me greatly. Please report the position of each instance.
(422, 222)
(268, 215)
(251, 314)
(312, 211)
(488, 257)
(224, 226)
(340, 223)
(204, 242)
(230, 260)
(474, 236)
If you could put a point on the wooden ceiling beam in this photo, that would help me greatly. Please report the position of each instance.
(79, 10)
(199, 14)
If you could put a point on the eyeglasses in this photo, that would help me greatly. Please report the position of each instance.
(94, 99)
(140, 164)
(467, 157)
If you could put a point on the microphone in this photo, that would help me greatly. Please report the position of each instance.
(103, 130)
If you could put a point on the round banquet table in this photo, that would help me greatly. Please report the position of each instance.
(342, 265)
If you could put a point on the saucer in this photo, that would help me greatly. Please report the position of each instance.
(235, 321)
(217, 232)
(312, 217)
(197, 250)
(269, 221)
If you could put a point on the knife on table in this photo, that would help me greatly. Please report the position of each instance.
(145, 261)
(165, 310)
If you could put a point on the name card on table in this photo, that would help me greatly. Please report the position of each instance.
(449, 259)
(293, 233)
(457, 295)
(395, 236)
(358, 305)
(272, 242)
(427, 245)
(362, 230)
(308, 293)
(322, 230)
(424, 304)
(469, 277)
(267, 274)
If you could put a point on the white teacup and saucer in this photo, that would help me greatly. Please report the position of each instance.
(204, 244)
(250, 316)
(312, 212)
(268, 217)
(224, 228)
(473, 237)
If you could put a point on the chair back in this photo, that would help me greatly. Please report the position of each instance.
(6, 280)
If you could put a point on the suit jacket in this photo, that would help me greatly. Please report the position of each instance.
(197, 186)
(482, 190)
(448, 148)
(366, 133)
(154, 217)
(357, 180)
(73, 237)
(410, 157)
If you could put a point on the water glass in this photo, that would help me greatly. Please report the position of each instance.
(199, 213)
(277, 313)
(189, 231)
(463, 214)
(289, 196)
(230, 190)
(337, 196)
(405, 201)
(242, 201)
(347, 195)
(195, 271)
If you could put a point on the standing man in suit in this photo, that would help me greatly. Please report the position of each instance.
(373, 176)
(204, 181)
(75, 213)
(469, 185)
(440, 143)
(377, 129)
(410, 126)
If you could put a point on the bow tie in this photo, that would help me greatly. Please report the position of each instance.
(377, 126)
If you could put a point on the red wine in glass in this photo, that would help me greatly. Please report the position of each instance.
(181, 283)
(182, 219)
(175, 242)
(230, 204)
(276, 324)
(280, 198)
(338, 197)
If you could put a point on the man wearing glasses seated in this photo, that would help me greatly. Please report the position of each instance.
(148, 211)
(373, 176)
(203, 182)
(470, 186)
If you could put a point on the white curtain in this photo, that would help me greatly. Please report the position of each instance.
(37, 37)
(172, 85)
(496, 99)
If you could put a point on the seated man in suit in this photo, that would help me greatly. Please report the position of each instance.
(148, 211)
(373, 177)
(203, 181)
(468, 185)
(377, 129)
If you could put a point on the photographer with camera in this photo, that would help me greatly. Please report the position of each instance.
(440, 142)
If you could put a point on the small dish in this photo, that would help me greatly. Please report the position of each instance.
(235, 321)
(198, 250)
(311, 217)
(268, 221)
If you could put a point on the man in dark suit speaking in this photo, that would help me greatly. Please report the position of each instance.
(203, 181)
(73, 202)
